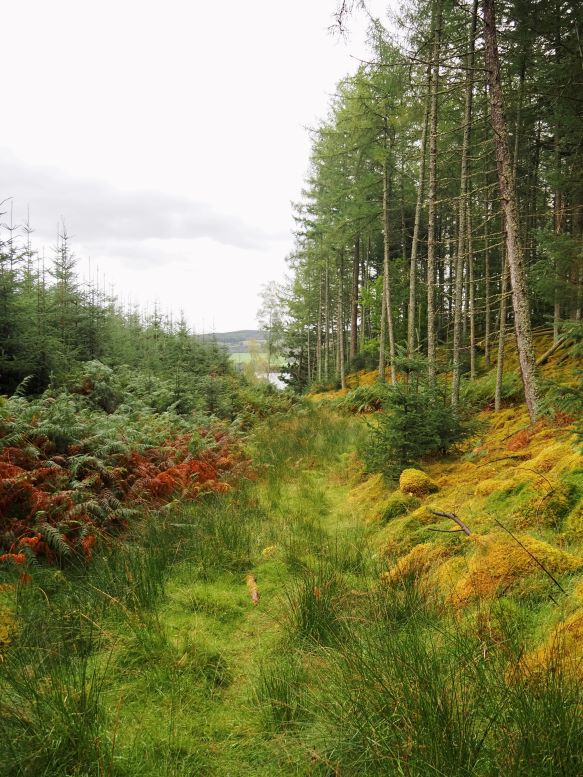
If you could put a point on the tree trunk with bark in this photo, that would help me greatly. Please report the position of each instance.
(386, 250)
(432, 191)
(514, 250)
(354, 300)
(463, 211)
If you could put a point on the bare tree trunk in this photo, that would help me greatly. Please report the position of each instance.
(354, 300)
(472, 294)
(364, 282)
(402, 211)
(319, 331)
(514, 250)
(578, 270)
(558, 198)
(432, 192)
(386, 249)
(463, 212)
(341, 365)
(487, 289)
(457, 310)
(383, 333)
(415, 242)
(327, 317)
(501, 335)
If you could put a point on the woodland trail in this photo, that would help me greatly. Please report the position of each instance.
(192, 696)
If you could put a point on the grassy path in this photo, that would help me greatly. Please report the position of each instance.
(155, 662)
(296, 515)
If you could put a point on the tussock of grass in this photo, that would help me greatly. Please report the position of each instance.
(280, 691)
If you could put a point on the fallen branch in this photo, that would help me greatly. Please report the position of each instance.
(463, 527)
(533, 557)
(554, 347)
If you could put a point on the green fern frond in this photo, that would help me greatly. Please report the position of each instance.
(54, 539)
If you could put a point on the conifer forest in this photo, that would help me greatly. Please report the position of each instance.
(203, 574)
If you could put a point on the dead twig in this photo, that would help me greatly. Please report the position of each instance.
(463, 527)
(533, 557)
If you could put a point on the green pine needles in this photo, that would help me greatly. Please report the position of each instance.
(416, 423)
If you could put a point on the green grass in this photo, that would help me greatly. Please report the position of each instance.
(154, 661)
(246, 357)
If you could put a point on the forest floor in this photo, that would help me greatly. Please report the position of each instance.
(310, 621)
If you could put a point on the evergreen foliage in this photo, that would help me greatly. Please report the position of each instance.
(415, 423)
(51, 323)
(362, 279)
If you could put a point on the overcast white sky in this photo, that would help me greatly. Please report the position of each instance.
(170, 137)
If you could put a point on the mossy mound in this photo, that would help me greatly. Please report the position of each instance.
(417, 483)
(561, 650)
(499, 561)
(445, 575)
(489, 486)
(425, 516)
(558, 457)
(548, 510)
(399, 504)
(417, 563)
(399, 536)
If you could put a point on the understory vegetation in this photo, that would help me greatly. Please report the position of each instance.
(374, 645)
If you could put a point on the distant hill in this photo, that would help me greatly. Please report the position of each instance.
(236, 342)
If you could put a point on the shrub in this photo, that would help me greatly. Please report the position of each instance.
(414, 424)
(364, 399)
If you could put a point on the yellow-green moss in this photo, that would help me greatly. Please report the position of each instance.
(558, 457)
(417, 483)
(562, 648)
(417, 562)
(445, 575)
(7, 627)
(574, 522)
(489, 486)
(399, 536)
(546, 510)
(424, 515)
(369, 499)
(399, 504)
(499, 561)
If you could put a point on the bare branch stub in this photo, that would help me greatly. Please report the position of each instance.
(463, 527)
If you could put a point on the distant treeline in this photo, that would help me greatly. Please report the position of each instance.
(51, 321)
